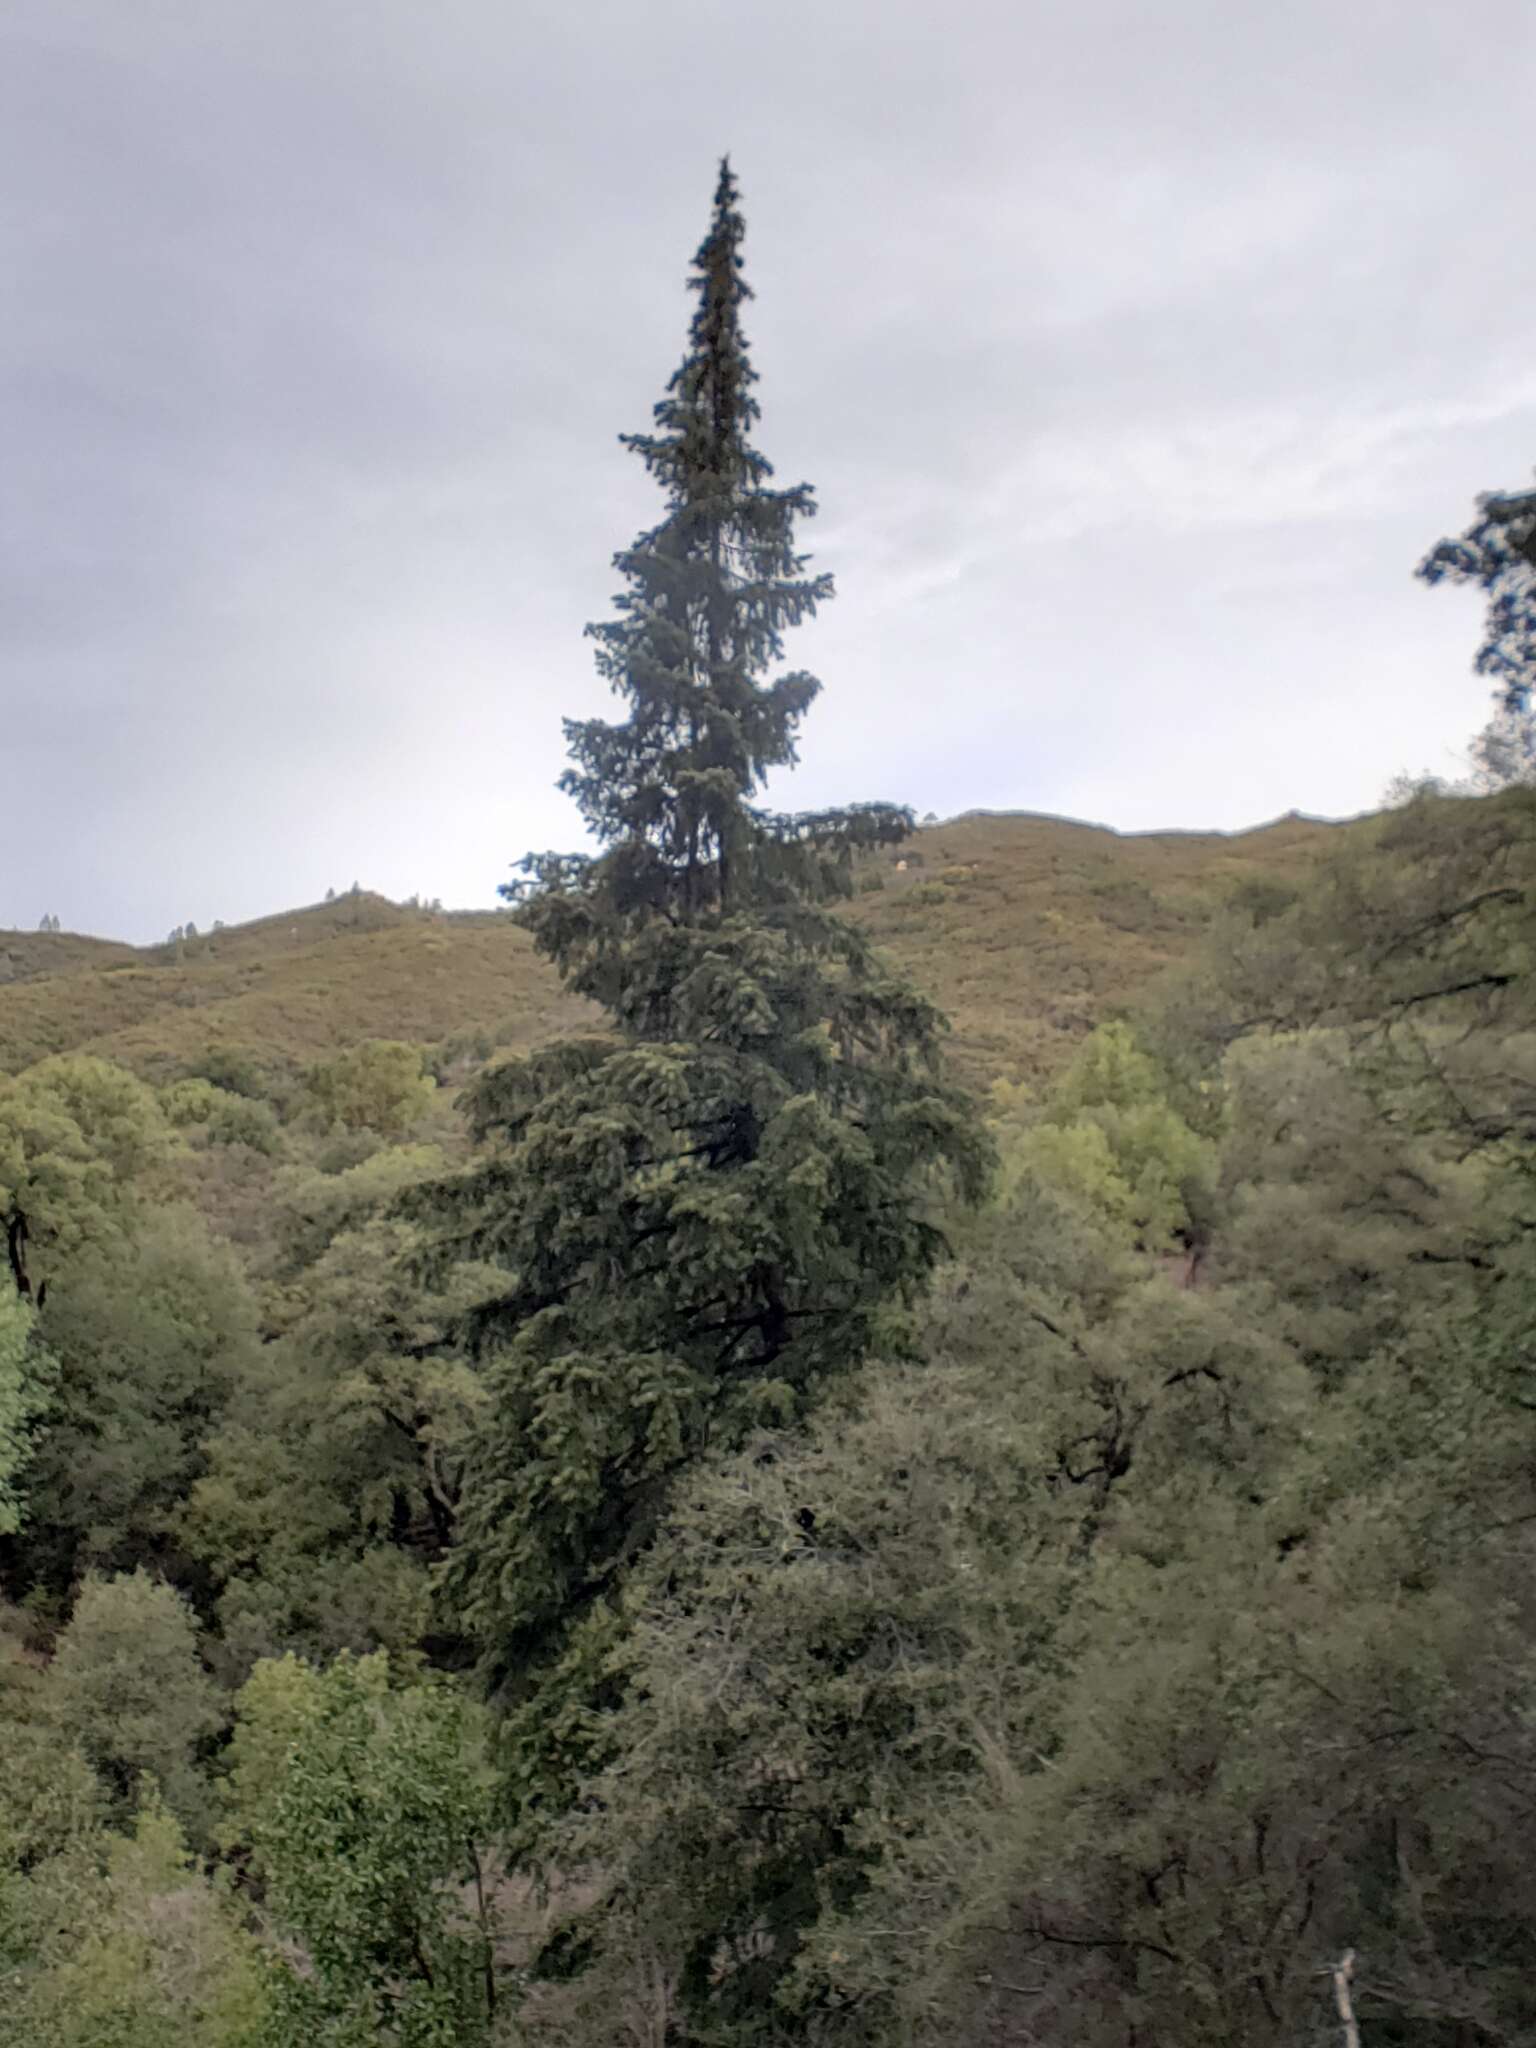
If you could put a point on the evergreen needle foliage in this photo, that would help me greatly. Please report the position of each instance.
(1498, 554)
(693, 1219)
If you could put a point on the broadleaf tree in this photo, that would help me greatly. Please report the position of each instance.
(692, 1218)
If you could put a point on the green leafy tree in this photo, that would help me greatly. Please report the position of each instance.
(260, 1073)
(134, 1947)
(273, 1708)
(1103, 1679)
(82, 1144)
(1107, 1678)
(377, 1086)
(26, 1374)
(312, 1208)
(154, 1330)
(127, 1688)
(692, 1220)
(222, 1117)
(365, 1806)
(848, 1643)
(1108, 1136)
(332, 1482)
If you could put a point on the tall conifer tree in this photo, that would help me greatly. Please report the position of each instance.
(689, 1221)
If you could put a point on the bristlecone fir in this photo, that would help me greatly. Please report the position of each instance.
(695, 1218)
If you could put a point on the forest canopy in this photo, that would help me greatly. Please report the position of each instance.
(709, 1531)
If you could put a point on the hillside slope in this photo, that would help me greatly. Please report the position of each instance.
(1024, 929)
(28, 956)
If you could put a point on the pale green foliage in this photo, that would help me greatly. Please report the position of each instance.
(109, 1940)
(377, 1086)
(115, 1113)
(26, 1374)
(366, 1805)
(133, 1947)
(80, 1139)
(128, 1689)
(1109, 1071)
(273, 1709)
(1282, 1725)
(222, 1117)
(50, 1798)
(314, 1208)
(1108, 1138)
(1418, 931)
(1074, 1159)
(51, 1810)
(190, 1102)
(1335, 1208)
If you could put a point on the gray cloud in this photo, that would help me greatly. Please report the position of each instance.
(1136, 353)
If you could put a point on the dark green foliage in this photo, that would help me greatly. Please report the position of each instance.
(257, 1073)
(689, 1224)
(711, 589)
(330, 1484)
(1498, 553)
(151, 1334)
(1104, 1679)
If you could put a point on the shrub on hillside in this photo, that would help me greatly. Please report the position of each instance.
(222, 1118)
(377, 1086)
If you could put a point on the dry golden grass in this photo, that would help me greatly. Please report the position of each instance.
(1027, 930)
(25, 955)
(299, 986)
(1024, 929)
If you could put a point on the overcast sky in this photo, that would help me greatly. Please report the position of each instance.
(1136, 352)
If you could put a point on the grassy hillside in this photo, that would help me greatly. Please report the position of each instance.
(298, 985)
(24, 956)
(1024, 929)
